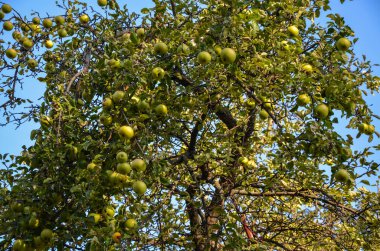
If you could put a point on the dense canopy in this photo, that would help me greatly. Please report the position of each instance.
(190, 125)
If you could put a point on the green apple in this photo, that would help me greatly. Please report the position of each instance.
(59, 20)
(343, 44)
(321, 111)
(47, 23)
(118, 96)
(34, 222)
(27, 43)
(363, 127)
(110, 211)
(8, 26)
(158, 73)
(139, 187)
(228, 56)
(91, 166)
(204, 57)
(138, 165)
(293, 30)
(95, 217)
(131, 224)
(140, 32)
(342, 175)
(62, 33)
(218, 50)
(107, 103)
(122, 157)
(11, 53)
(161, 48)
(123, 168)
(32, 63)
(161, 110)
(6, 8)
(126, 132)
(84, 19)
(243, 161)
(303, 99)
(49, 44)
(102, 3)
(46, 235)
(263, 114)
(36, 20)
(183, 49)
(16, 35)
(307, 68)
(370, 130)
(2, 15)
(105, 119)
(143, 106)
(19, 245)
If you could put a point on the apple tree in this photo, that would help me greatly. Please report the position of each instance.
(188, 125)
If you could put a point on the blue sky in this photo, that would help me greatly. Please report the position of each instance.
(361, 15)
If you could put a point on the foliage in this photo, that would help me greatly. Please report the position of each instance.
(192, 125)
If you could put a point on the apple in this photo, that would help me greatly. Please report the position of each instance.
(105, 119)
(143, 106)
(110, 211)
(123, 168)
(363, 127)
(19, 245)
(140, 32)
(250, 103)
(228, 56)
(2, 15)
(107, 103)
(46, 235)
(158, 73)
(243, 161)
(303, 99)
(118, 96)
(161, 110)
(342, 175)
(49, 44)
(160, 48)
(84, 19)
(263, 114)
(34, 222)
(307, 68)
(59, 20)
(102, 3)
(139, 187)
(11, 53)
(95, 217)
(370, 130)
(116, 237)
(218, 50)
(126, 132)
(62, 33)
(8, 26)
(32, 63)
(131, 224)
(204, 57)
(138, 165)
(36, 20)
(47, 23)
(6, 8)
(343, 44)
(122, 157)
(293, 30)
(91, 166)
(16, 35)
(183, 49)
(27, 43)
(321, 111)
